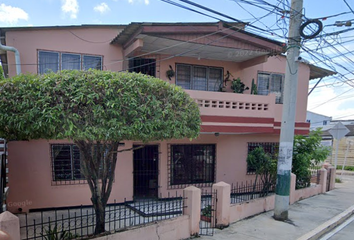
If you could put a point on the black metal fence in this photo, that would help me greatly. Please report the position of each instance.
(245, 191)
(208, 213)
(315, 174)
(80, 222)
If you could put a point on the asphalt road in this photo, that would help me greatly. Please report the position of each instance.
(345, 231)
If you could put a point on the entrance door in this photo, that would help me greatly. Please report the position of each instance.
(145, 162)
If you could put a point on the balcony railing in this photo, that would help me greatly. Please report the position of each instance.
(233, 104)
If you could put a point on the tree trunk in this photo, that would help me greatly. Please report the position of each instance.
(100, 215)
(98, 162)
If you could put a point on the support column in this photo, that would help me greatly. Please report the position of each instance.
(192, 201)
(332, 172)
(222, 204)
(292, 188)
(323, 179)
(10, 224)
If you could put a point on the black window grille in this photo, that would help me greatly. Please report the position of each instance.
(66, 167)
(66, 162)
(269, 147)
(143, 65)
(192, 164)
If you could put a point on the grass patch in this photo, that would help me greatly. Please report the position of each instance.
(348, 168)
(338, 180)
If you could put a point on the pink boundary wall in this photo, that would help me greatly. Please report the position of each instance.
(173, 229)
(188, 224)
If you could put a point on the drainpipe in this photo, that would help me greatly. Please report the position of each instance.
(17, 56)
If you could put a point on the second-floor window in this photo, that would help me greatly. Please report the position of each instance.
(199, 77)
(271, 83)
(55, 61)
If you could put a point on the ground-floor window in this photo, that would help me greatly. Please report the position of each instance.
(192, 164)
(66, 166)
(269, 147)
(66, 162)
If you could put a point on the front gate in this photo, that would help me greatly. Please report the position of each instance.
(208, 219)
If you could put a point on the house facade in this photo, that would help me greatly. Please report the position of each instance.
(202, 58)
(317, 120)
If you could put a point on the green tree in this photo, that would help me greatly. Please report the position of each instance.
(2, 77)
(96, 110)
(307, 152)
(265, 166)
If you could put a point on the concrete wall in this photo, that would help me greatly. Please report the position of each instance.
(30, 172)
(28, 42)
(173, 229)
(277, 64)
(30, 179)
(305, 193)
(250, 208)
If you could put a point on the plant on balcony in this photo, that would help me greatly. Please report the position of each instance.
(254, 88)
(170, 73)
(238, 86)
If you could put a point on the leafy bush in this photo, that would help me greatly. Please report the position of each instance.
(308, 152)
(265, 167)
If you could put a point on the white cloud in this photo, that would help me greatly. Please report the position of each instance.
(139, 1)
(11, 15)
(101, 8)
(326, 101)
(71, 7)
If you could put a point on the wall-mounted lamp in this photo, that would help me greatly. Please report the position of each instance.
(216, 134)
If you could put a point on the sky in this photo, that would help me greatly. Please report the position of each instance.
(332, 97)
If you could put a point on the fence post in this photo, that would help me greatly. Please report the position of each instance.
(222, 204)
(332, 172)
(323, 179)
(10, 224)
(192, 201)
(292, 188)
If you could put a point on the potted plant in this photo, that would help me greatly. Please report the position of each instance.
(238, 86)
(206, 214)
(170, 73)
(254, 88)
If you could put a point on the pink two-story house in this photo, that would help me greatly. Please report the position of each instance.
(201, 57)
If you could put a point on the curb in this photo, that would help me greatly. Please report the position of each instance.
(329, 225)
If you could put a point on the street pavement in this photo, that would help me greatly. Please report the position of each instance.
(304, 216)
(342, 232)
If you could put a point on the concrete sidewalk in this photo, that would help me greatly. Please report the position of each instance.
(305, 216)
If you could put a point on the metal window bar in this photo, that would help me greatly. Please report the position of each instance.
(208, 210)
(269, 147)
(191, 164)
(80, 221)
(245, 191)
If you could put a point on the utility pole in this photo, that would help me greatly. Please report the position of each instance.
(288, 118)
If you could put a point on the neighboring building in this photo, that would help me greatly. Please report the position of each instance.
(317, 120)
(345, 146)
(46, 174)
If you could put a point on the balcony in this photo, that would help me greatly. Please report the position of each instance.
(235, 113)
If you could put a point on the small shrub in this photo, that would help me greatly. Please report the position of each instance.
(57, 234)
(207, 211)
(338, 180)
